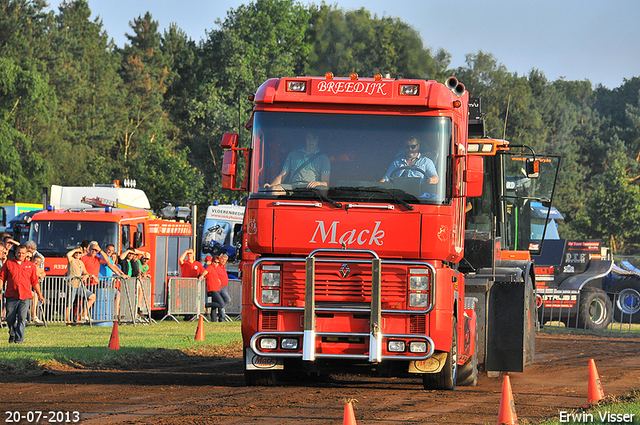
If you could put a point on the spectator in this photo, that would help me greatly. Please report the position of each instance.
(144, 268)
(3, 259)
(20, 276)
(85, 246)
(129, 262)
(32, 249)
(106, 271)
(189, 267)
(38, 262)
(224, 281)
(10, 245)
(92, 262)
(78, 276)
(213, 288)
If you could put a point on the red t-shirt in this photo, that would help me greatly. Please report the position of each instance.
(193, 269)
(212, 279)
(20, 277)
(92, 264)
(224, 277)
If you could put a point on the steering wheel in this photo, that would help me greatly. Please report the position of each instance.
(409, 167)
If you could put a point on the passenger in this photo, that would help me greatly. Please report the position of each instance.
(412, 164)
(224, 282)
(213, 288)
(20, 276)
(76, 282)
(303, 168)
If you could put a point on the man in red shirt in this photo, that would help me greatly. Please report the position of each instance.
(189, 267)
(92, 262)
(20, 276)
(213, 287)
(224, 281)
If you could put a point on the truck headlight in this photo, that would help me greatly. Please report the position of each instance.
(419, 283)
(418, 347)
(289, 344)
(270, 296)
(271, 279)
(268, 343)
(396, 346)
(418, 299)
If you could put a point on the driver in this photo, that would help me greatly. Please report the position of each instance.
(303, 168)
(412, 164)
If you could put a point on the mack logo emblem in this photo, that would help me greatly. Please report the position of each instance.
(345, 270)
(264, 362)
(332, 235)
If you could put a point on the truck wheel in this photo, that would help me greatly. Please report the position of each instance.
(446, 378)
(468, 372)
(627, 300)
(596, 310)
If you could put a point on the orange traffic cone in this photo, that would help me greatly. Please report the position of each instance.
(507, 414)
(349, 416)
(595, 391)
(114, 341)
(200, 330)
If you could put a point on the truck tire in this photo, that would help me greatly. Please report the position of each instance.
(627, 300)
(446, 378)
(468, 372)
(595, 310)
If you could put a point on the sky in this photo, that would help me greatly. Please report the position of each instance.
(572, 39)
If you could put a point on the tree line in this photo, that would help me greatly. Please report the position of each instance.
(75, 109)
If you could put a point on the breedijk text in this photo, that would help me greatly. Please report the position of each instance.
(350, 237)
(336, 87)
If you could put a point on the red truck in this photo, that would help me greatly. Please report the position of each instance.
(360, 269)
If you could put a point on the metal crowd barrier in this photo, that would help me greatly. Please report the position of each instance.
(614, 309)
(185, 297)
(188, 297)
(123, 300)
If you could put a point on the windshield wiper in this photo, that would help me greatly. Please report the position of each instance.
(325, 198)
(378, 190)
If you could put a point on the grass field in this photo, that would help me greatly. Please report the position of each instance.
(85, 346)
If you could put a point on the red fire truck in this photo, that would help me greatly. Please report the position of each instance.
(359, 270)
(59, 230)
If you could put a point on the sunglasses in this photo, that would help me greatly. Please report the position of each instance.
(411, 147)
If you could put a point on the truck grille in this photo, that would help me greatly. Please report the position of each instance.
(331, 288)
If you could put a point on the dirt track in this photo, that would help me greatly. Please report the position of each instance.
(213, 391)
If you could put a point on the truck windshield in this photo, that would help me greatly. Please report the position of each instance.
(55, 238)
(351, 157)
(525, 224)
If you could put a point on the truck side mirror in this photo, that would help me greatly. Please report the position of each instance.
(474, 175)
(230, 162)
(532, 168)
(229, 140)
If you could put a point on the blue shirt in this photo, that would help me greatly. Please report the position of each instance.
(422, 162)
(105, 271)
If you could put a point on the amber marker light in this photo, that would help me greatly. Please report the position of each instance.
(329, 75)
(377, 77)
(353, 76)
(457, 104)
